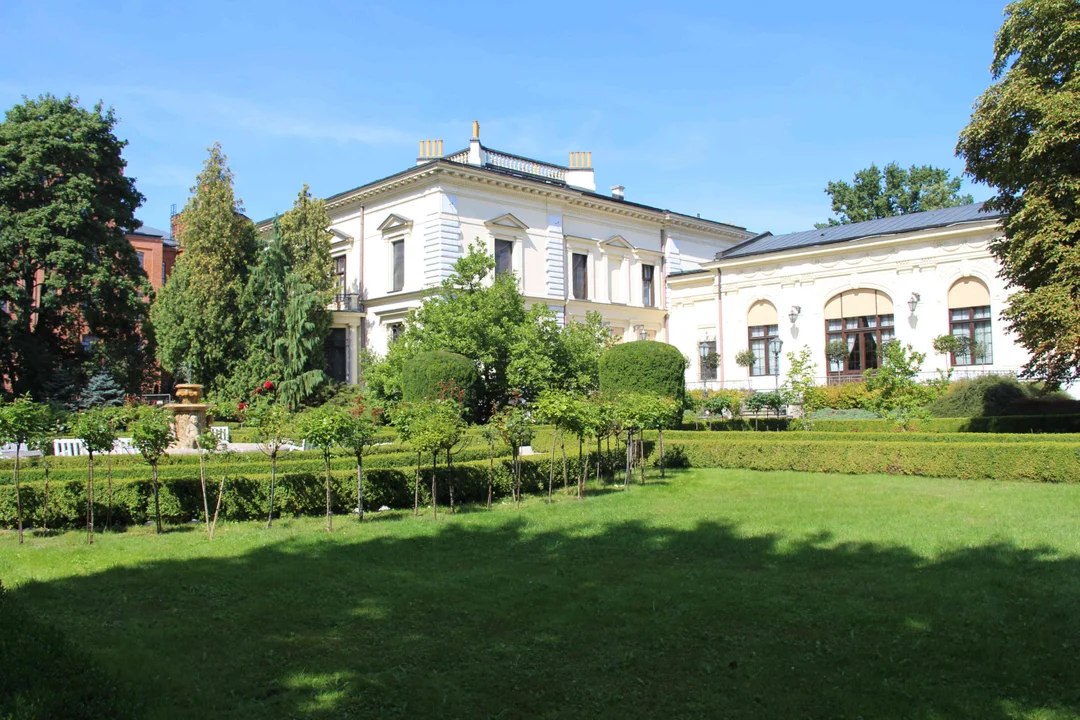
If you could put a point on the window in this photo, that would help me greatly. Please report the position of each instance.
(616, 290)
(396, 331)
(339, 275)
(969, 317)
(581, 276)
(761, 336)
(504, 256)
(142, 260)
(647, 286)
(973, 324)
(88, 343)
(398, 255)
(707, 360)
(163, 273)
(862, 320)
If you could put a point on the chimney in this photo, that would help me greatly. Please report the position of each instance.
(617, 191)
(580, 172)
(476, 150)
(429, 150)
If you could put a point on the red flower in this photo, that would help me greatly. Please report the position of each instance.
(241, 406)
(268, 385)
(258, 390)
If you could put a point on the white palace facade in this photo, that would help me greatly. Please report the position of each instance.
(710, 288)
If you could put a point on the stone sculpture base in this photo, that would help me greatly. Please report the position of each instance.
(189, 423)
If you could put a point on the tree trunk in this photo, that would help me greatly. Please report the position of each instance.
(89, 502)
(157, 501)
(329, 514)
(584, 474)
(18, 494)
(599, 456)
(273, 482)
(565, 476)
(641, 454)
(661, 452)
(217, 506)
(450, 478)
(434, 486)
(416, 488)
(580, 443)
(629, 459)
(517, 475)
(491, 475)
(202, 481)
(360, 486)
(108, 475)
(45, 509)
(551, 466)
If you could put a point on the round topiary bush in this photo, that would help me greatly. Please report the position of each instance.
(424, 375)
(644, 366)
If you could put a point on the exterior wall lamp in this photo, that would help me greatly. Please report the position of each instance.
(794, 314)
(913, 302)
(640, 330)
(775, 345)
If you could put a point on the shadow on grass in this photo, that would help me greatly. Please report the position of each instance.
(624, 620)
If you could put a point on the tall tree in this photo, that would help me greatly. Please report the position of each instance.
(67, 267)
(1022, 140)
(198, 315)
(875, 194)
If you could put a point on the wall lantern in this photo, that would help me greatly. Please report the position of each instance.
(913, 302)
(640, 330)
(794, 314)
(776, 344)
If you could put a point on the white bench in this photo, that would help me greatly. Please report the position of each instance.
(221, 432)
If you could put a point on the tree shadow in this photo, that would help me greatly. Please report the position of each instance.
(624, 619)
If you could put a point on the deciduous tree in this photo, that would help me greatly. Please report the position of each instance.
(97, 430)
(152, 433)
(897, 191)
(21, 421)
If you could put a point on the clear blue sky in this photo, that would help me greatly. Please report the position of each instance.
(738, 111)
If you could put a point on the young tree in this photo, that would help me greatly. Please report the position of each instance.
(632, 414)
(20, 421)
(97, 429)
(558, 408)
(516, 430)
(746, 359)
(152, 433)
(798, 387)
(42, 441)
(67, 268)
(404, 421)
(894, 391)
(321, 427)
(660, 412)
(897, 191)
(273, 424)
(198, 316)
(1022, 141)
(437, 426)
(208, 444)
(356, 434)
(489, 433)
(211, 447)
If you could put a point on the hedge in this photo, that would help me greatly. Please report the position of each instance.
(644, 366)
(246, 495)
(423, 375)
(1039, 462)
(910, 437)
(1004, 424)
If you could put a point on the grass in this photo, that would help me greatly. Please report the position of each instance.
(715, 594)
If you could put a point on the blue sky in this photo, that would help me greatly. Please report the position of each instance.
(738, 111)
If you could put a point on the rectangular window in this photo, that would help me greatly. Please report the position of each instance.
(163, 273)
(339, 275)
(396, 330)
(398, 254)
(973, 324)
(581, 276)
(504, 256)
(647, 286)
(761, 337)
(142, 260)
(615, 280)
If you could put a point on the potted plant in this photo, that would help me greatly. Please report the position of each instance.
(746, 359)
(837, 352)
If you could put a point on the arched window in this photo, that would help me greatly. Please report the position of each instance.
(862, 320)
(969, 317)
(763, 326)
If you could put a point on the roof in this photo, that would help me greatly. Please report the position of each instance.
(769, 243)
(682, 273)
(527, 176)
(148, 231)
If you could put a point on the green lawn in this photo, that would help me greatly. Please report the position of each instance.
(716, 594)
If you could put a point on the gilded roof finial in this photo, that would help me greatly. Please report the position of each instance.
(476, 129)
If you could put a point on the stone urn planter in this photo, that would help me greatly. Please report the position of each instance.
(189, 415)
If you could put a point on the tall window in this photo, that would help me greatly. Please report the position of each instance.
(862, 321)
(761, 336)
(504, 256)
(647, 286)
(339, 275)
(581, 276)
(142, 259)
(969, 317)
(616, 291)
(398, 270)
(396, 331)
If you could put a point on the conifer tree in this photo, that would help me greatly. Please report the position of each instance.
(198, 316)
(101, 391)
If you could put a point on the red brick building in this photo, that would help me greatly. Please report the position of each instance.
(157, 253)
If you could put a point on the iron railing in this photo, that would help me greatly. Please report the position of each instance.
(347, 302)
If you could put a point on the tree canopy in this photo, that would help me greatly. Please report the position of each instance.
(1022, 140)
(68, 269)
(874, 194)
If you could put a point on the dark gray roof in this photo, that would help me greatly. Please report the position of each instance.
(680, 273)
(154, 232)
(769, 243)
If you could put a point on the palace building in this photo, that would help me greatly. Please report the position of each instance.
(710, 288)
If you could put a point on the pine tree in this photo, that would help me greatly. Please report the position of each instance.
(198, 316)
(101, 391)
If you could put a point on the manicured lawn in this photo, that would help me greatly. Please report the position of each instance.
(717, 594)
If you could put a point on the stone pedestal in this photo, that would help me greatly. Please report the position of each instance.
(189, 416)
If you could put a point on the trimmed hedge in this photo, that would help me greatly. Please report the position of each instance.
(1011, 424)
(423, 374)
(644, 366)
(910, 437)
(297, 493)
(1038, 462)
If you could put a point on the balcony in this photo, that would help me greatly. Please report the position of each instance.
(347, 302)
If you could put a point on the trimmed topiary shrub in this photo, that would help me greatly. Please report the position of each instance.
(424, 375)
(644, 366)
(987, 396)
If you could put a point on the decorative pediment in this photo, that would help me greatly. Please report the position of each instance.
(618, 241)
(394, 223)
(339, 237)
(506, 222)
